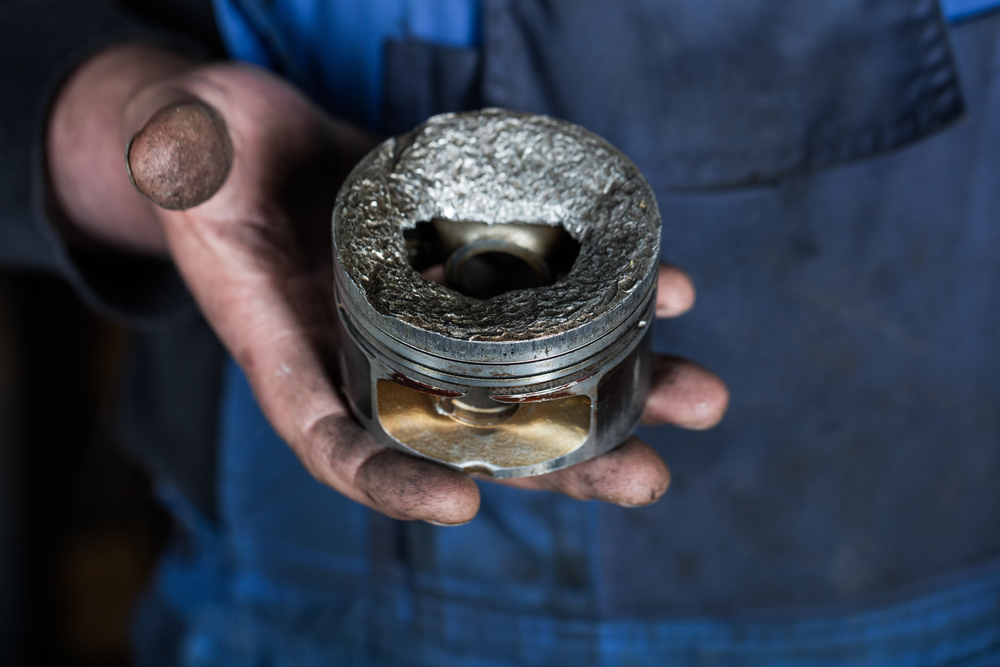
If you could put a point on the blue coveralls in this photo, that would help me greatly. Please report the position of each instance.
(829, 173)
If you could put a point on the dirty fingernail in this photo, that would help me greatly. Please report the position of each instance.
(181, 157)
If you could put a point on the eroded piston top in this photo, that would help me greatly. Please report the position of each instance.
(497, 167)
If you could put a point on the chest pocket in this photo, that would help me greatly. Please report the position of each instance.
(702, 93)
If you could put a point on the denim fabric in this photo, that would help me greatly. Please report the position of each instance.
(300, 576)
(960, 10)
(846, 510)
(334, 49)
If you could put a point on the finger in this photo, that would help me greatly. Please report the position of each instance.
(261, 325)
(632, 475)
(181, 156)
(399, 486)
(404, 487)
(675, 293)
(293, 388)
(685, 394)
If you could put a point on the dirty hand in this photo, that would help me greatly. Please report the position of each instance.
(239, 173)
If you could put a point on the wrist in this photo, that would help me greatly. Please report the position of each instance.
(89, 124)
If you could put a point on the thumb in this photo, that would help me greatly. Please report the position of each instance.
(181, 156)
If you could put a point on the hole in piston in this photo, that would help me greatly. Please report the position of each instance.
(483, 261)
(489, 267)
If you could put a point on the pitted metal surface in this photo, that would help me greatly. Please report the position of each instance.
(498, 167)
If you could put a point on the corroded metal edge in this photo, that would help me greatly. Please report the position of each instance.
(496, 167)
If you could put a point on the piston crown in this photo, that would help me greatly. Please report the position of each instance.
(497, 167)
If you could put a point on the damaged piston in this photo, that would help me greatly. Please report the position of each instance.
(495, 276)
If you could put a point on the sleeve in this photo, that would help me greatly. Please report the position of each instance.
(41, 41)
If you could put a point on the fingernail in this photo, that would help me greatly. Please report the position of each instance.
(181, 157)
(446, 525)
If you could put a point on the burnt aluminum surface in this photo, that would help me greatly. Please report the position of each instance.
(515, 367)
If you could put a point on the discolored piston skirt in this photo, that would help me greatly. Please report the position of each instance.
(495, 275)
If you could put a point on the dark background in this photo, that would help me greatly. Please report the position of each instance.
(79, 530)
